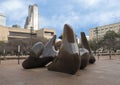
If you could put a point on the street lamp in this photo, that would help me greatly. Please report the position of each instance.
(31, 33)
(96, 31)
(18, 54)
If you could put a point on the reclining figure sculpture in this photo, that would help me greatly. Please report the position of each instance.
(68, 60)
(86, 46)
(40, 55)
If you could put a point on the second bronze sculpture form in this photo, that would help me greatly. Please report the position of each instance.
(69, 58)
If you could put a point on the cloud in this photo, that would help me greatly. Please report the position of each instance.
(89, 3)
(57, 22)
(80, 14)
(85, 14)
(15, 11)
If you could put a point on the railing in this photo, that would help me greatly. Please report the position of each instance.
(110, 55)
(19, 57)
(104, 54)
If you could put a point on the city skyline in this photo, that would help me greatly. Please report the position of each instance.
(80, 14)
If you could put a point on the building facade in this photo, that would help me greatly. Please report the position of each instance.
(3, 33)
(31, 27)
(2, 20)
(32, 19)
(99, 32)
(7, 33)
(46, 33)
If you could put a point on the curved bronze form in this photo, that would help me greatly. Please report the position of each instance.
(34, 62)
(49, 50)
(84, 54)
(67, 60)
(37, 49)
(86, 46)
(40, 55)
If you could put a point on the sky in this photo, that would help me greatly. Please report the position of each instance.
(80, 14)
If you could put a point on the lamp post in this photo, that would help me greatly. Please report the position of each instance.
(0, 58)
(4, 52)
(31, 33)
(18, 54)
(96, 31)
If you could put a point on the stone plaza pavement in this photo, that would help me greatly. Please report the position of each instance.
(103, 72)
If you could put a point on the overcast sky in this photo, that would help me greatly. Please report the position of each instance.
(80, 14)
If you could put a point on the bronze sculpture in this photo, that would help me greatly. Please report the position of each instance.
(37, 49)
(67, 60)
(65, 55)
(86, 46)
(49, 50)
(84, 54)
(37, 57)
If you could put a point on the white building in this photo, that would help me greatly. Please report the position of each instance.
(100, 31)
(2, 20)
(33, 18)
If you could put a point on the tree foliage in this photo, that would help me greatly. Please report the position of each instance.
(25, 45)
(110, 41)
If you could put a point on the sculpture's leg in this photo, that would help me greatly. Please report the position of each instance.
(91, 59)
(67, 60)
(84, 54)
(40, 55)
(86, 46)
(33, 62)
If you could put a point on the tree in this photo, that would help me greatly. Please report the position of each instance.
(93, 45)
(25, 44)
(109, 41)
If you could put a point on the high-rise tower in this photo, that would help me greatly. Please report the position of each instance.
(2, 20)
(33, 18)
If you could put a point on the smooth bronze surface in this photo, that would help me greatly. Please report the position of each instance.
(86, 46)
(37, 49)
(91, 59)
(40, 56)
(49, 50)
(84, 54)
(67, 60)
(34, 62)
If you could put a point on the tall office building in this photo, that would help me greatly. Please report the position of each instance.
(2, 20)
(33, 18)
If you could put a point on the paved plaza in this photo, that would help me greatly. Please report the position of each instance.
(103, 72)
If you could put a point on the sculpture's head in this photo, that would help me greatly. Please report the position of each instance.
(37, 49)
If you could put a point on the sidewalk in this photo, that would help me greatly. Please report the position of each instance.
(13, 57)
(103, 72)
